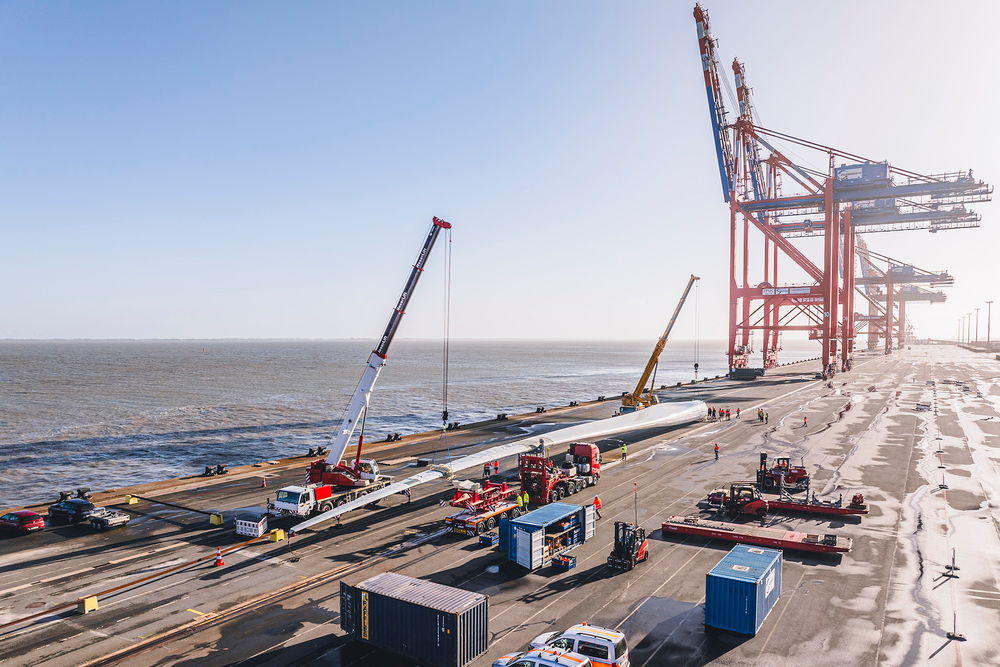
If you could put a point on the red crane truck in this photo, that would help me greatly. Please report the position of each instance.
(546, 482)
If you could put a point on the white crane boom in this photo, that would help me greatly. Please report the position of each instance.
(362, 394)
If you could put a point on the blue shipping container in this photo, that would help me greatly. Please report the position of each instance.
(534, 539)
(742, 589)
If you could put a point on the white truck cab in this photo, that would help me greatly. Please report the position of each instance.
(603, 646)
(294, 500)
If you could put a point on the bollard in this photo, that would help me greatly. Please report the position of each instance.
(277, 535)
(87, 605)
(215, 519)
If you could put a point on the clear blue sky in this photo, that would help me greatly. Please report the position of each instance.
(250, 169)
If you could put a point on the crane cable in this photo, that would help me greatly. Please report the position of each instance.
(697, 327)
(445, 352)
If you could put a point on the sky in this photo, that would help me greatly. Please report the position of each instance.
(246, 169)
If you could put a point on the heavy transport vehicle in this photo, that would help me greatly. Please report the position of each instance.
(782, 475)
(642, 396)
(765, 537)
(742, 499)
(546, 482)
(102, 518)
(543, 657)
(630, 546)
(310, 499)
(21, 522)
(70, 510)
(723, 499)
(352, 479)
(483, 505)
(603, 646)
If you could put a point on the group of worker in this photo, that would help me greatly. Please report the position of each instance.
(722, 414)
(522, 500)
(491, 468)
(762, 416)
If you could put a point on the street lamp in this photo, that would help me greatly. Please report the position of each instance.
(977, 324)
(989, 308)
(968, 328)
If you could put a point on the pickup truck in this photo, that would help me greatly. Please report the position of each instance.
(102, 518)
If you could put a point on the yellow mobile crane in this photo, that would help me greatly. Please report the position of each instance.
(636, 400)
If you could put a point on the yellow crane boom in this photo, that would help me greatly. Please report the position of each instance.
(635, 400)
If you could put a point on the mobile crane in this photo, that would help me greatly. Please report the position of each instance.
(331, 482)
(639, 398)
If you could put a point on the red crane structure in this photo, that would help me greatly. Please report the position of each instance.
(835, 203)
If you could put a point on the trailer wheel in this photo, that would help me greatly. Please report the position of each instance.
(479, 528)
(553, 496)
(491, 523)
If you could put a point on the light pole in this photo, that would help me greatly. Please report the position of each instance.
(989, 308)
(968, 328)
(977, 324)
(960, 331)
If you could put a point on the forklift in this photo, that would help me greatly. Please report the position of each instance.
(630, 548)
(743, 499)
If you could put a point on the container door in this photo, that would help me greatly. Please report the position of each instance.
(537, 546)
(529, 548)
(589, 522)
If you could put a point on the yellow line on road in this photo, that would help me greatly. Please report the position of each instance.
(195, 611)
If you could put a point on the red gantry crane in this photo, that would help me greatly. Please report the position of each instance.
(835, 203)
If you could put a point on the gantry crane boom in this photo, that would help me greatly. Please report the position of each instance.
(716, 106)
(635, 400)
(362, 394)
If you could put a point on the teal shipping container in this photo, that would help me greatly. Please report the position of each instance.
(742, 589)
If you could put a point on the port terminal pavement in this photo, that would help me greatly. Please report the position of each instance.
(878, 430)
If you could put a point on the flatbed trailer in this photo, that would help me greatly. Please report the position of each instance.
(473, 523)
(814, 507)
(766, 537)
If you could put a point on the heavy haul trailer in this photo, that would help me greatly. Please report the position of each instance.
(533, 540)
(483, 506)
(746, 498)
(549, 482)
(765, 537)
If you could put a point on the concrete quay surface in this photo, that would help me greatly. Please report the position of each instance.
(887, 602)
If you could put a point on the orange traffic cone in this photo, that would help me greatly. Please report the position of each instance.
(218, 557)
(263, 482)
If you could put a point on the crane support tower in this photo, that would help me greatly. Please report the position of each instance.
(833, 202)
(640, 398)
(361, 472)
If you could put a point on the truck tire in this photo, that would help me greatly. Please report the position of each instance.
(325, 507)
(340, 501)
(491, 523)
(480, 528)
(553, 496)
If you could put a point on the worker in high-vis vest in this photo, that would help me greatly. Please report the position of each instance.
(597, 506)
(520, 501)
(527, 498)
(624, 452)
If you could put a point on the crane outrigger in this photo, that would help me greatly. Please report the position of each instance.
(640, 398)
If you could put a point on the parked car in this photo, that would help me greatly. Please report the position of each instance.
(72, 510)
(22, 522)
(542, 657)
(603, 646)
